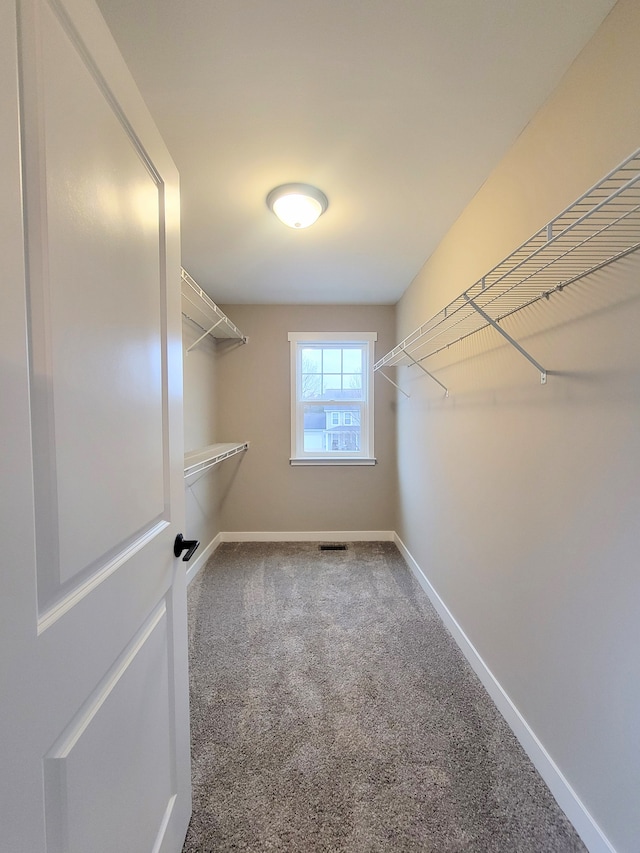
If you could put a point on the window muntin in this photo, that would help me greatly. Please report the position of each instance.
(332, 396)
(330, 372)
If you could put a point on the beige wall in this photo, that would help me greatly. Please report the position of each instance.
(522, 503)
(263, 492)
(202, 491)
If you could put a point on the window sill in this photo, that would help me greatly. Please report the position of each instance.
(332, 460)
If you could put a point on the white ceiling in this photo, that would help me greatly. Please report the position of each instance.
(397, 109)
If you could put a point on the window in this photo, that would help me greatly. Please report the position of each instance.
(332, 398)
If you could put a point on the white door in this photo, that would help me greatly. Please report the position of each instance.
(94, 711)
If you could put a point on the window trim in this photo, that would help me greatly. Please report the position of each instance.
(362, 457)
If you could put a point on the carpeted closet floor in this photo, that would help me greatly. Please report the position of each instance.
(332, 711)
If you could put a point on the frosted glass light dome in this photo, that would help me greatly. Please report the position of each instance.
(297, 205)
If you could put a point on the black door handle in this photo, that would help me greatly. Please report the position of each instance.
(181, 544)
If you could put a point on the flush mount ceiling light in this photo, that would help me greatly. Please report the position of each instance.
(297, 205)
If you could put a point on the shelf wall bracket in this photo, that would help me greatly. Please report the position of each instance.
(202, 337)
(507, 337)
(430, 375)
(388, 378)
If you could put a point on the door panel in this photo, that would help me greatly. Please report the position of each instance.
(87, 796)
(95, 738)
(94, 236)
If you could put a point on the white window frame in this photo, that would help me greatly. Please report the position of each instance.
(365, 456)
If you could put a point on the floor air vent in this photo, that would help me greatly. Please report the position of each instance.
(329, 547)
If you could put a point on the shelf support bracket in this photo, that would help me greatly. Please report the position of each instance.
(401, 390)
(507, 337)
(202, 337)
(430, 375)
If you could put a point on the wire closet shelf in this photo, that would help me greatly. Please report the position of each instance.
(203, 311)
(197, 461)
(602, 226)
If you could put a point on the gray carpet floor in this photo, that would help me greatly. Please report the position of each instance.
(332, 711)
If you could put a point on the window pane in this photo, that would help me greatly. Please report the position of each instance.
(311, 360)
(352, 360)
(331, 386)
(352, 381)
(311, 386)
(315, 427)
(331, 361)
(344, 441)
(323, 435)
(352, 394)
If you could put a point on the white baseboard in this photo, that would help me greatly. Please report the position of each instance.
(586, 827)
(310, 536)
(202, 558)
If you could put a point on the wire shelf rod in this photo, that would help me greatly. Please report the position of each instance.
(554, 260)
(600, 227)
(533, 300)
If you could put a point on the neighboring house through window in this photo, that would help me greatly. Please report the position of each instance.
(332, 397)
